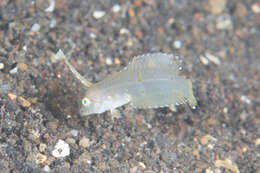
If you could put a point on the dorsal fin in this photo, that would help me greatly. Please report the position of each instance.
(155, 61)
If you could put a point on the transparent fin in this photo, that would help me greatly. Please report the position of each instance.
(163, 99)
(60, 55)
(191, 99)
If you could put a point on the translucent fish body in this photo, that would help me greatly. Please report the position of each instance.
(149, 81)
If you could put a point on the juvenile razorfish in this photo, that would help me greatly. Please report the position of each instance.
(149, 81)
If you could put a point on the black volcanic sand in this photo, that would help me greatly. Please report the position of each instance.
(218, 42)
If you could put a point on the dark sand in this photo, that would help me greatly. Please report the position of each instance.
(218, 41)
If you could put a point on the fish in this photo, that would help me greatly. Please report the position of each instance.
(149, 81)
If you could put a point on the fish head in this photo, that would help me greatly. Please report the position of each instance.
(94, 103)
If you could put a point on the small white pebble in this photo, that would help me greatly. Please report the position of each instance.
(256, 8)
(177, 44)
(116, 8)
(25, 48)
(53, 23)
(243, 132)
(59, 55)
(213, 58)
(211, 146)
(208, 170)
(225, 110)
(224, 23)
(51, 6)
(245, 99)
(35, 28)
(109, 61)
(124, 31)
(142, 165)
(74, 132)
(61, 149)
(98, 14)
(92, 35)
(46, 168)
(14, 70)
(2, 66)
(204, 60)
(149, 126)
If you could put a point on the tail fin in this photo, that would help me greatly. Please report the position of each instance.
(60, 56)
(191, 99)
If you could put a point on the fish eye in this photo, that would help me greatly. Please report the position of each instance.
(85, 101)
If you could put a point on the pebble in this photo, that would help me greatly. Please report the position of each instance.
(177, 44)
(58, 56)
(216, 6)
(142, 165)
(138, 34)
(92, 35)
(46, 168)
(53, 124)
(255, 8)
(25, 48)
(204, 60)
(243, 116)
(14, 70)
(12, 96)
(208, 171)
(85, 158)
(42, 147)
(53, 23)
(5, 87)
(22, 67)
(98, 14)
(116, 8)
(224, 23)
(2, 66)
(84, 142)
(117, 61)
(51, 6)
(196, 153)
(70, 141)
(225, 110)
(213, 58)
(245, 99)
(124, 31)
(74, 132)
(61, 149)
(131, 12)
(109, 61)
(227, 163)
(240, 10)
(23, 102)
(40, 158)
(137, 3)
(257, 142)
(33, 100)
(204, 141)
(35, 28)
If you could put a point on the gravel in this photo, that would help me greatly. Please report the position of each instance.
(40, 126)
